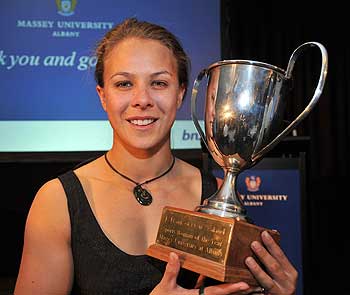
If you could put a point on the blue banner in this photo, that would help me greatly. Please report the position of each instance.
(272, 198)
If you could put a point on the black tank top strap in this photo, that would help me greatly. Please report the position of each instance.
(74, 193)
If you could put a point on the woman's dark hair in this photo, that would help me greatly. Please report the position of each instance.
(131, 27)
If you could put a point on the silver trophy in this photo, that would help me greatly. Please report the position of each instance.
(244, 108)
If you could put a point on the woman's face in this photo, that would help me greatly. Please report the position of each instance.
(141, 93)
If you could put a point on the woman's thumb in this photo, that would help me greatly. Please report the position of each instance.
(172, 270)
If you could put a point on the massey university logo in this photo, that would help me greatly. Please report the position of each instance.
(66, 7)
(253, 183)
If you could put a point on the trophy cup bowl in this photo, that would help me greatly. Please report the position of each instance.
(243, 119)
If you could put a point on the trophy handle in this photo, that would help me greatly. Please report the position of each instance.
(193, 106)
(313, 100)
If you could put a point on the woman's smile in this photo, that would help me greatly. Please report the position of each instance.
(142, 123)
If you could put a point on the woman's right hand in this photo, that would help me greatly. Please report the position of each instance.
(168, 283)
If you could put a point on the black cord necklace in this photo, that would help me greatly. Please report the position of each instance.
(142, 195)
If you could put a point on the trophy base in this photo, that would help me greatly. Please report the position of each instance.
(207, 244)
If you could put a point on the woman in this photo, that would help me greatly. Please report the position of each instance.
(87, 231)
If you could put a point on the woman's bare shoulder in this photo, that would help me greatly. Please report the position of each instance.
(50, 192)
(49, 209)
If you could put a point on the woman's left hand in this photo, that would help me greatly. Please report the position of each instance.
(280, 277)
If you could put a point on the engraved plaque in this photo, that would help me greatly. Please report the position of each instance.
(195, 234)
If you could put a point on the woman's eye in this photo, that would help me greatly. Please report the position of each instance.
(123, 84)
(159, 84)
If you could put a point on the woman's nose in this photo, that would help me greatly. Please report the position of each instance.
(142, 97)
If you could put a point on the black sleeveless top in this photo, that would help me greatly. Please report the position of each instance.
(102, 268)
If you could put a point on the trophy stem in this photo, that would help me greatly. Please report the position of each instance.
(226, 202)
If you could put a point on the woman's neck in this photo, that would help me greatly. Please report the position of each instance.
(140, 166)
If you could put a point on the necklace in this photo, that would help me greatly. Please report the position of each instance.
(142, 195)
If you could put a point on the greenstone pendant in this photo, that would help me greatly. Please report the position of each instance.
(142, 195)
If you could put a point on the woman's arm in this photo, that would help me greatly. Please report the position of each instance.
(46, 265)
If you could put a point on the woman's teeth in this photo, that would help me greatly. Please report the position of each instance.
(142, 122)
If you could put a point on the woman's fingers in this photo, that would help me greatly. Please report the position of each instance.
(272, 265)
(277, 275)
(262, 277)
(171, 271)
(279, 255)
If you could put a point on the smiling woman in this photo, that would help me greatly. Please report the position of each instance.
(85, 232)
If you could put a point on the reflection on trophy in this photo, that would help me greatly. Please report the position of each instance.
(244, 108)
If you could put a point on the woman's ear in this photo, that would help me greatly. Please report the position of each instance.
(180, 96)
(101, 94)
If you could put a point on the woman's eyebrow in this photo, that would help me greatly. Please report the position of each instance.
(125, 74)
(161, 73)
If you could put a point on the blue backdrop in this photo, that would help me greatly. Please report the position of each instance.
(272, 194)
